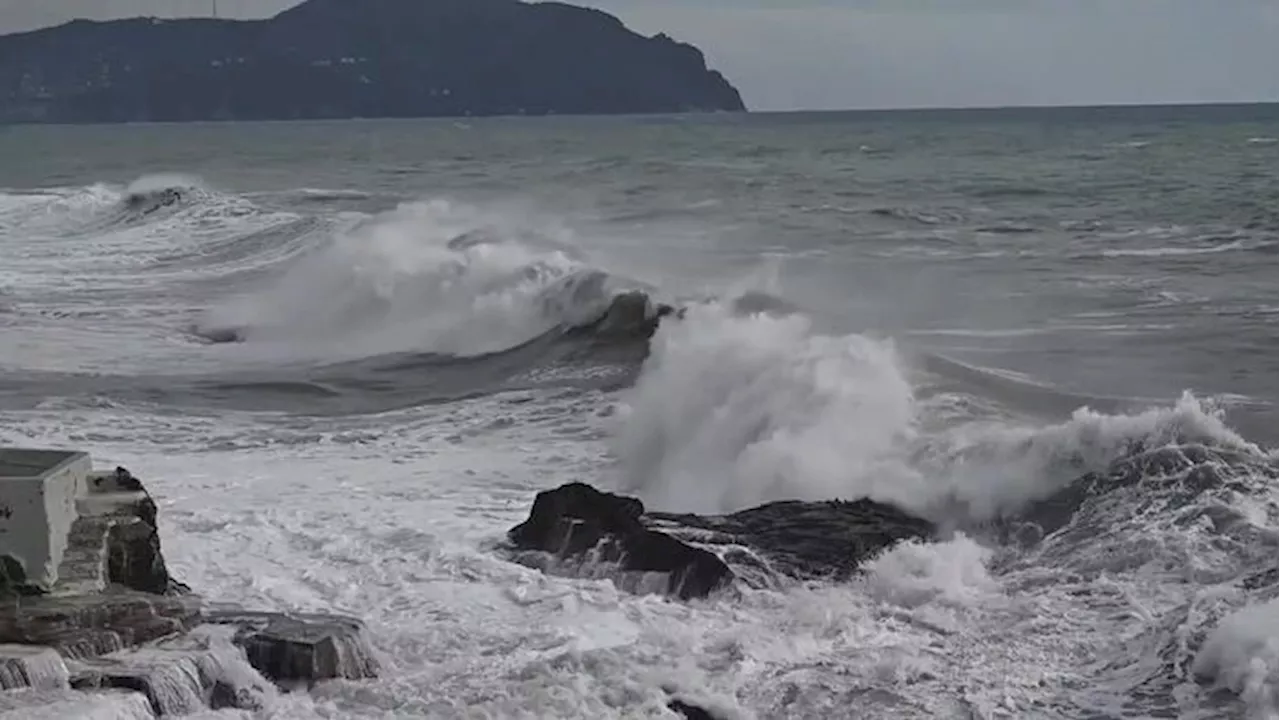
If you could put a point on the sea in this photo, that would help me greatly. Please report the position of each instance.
(345, 356)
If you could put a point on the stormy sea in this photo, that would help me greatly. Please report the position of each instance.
(345, 356)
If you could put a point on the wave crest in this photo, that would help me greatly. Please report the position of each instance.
(429, 277)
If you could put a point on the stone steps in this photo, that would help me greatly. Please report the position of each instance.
(111, 481)
(83, 570)
(112, 503)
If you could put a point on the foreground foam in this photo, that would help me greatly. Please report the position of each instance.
(392, 518)
(1241, 654)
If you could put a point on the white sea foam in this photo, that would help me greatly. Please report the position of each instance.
(914, 573)
(732, 411)
(392, 518)
(1241, 654)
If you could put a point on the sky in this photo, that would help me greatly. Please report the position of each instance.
(853, 54)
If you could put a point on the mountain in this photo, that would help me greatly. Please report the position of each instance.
(355, 58)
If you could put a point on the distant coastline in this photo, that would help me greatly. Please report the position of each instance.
(332, 59)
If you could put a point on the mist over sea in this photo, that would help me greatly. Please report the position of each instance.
(344, 356)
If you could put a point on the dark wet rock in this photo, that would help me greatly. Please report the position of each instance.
(803, 540)
(301, 648)
(336, 59)
(579, 524)
(134, 559)
(629, 316)
(149, 202)
(584, 528)
(690, 711)
(1261, 579)
(218, 335)
(13, 578)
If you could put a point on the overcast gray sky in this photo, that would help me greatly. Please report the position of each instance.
(827, 54)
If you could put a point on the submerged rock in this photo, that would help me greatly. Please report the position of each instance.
(582, 531)
(690, 711)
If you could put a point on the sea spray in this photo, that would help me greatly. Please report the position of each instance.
(1240, 654)
(735, 410)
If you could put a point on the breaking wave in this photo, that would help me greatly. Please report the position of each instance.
(431, 278)
(732, 410)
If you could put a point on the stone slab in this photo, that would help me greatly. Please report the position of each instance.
(180, 674)
(67, 704)
(31, 666)
(86, 625)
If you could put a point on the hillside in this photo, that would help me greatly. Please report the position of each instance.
(355, 58)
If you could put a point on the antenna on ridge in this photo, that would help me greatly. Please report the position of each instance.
(215, 8)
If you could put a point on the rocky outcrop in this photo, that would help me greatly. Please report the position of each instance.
(586, 530)
(117, 622)
(576, 529)
(340, 59)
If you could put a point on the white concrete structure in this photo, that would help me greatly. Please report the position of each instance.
(38, 494)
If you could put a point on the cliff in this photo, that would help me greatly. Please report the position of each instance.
(355, 58)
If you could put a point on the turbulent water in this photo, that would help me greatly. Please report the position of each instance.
(344, 356)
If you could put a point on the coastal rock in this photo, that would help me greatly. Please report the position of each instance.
(690, 711)
(826, 540)
(589, 531)
(341, 59)
(585, 532)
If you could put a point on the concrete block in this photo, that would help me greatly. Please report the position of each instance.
(38, 493)
(300, 648)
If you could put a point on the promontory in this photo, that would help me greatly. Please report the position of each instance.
(355, 58)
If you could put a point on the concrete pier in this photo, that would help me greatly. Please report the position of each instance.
(90, 614)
